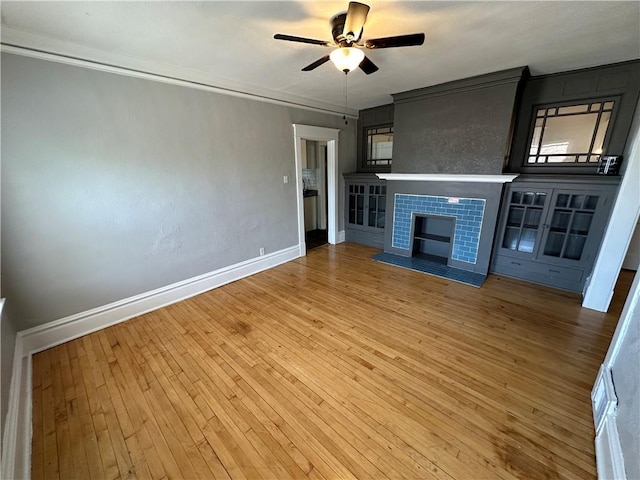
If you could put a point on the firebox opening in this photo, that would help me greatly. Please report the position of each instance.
(433, 237)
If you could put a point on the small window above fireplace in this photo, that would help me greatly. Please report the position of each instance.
(379, 146)
(570, 134)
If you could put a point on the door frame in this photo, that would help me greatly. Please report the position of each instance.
(320, 134)
(322, 186)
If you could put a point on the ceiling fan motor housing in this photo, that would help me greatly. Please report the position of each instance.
(337, 30)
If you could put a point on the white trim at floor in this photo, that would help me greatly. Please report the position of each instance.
(16, 441)
(609, 459)
(16, 458)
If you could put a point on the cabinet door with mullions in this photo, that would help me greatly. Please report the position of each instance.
(377, 205)
(356, 207)
(571, 216)
(523, 224)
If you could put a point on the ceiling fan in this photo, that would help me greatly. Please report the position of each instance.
(346, 29)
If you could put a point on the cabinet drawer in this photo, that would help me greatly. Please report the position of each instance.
(373, 237)
(561, 272)
(514, 263)
(535, 270)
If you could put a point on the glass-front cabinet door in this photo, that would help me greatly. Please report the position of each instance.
(551, 235)
(356, 204)
(377, 205)
(570, 221)
(524, 221)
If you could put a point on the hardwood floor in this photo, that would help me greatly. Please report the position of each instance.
(330, 366)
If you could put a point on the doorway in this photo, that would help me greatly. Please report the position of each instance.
(327, 140)
(314, 175)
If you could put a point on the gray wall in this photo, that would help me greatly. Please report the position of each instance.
(627, 384)
(7, 348)
(458, 127)
(113, 186)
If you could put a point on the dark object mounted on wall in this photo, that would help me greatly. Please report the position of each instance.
(609, 165)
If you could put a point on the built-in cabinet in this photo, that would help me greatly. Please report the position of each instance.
(366, 208)
(550, 232)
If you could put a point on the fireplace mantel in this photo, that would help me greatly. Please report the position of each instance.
(446, 177)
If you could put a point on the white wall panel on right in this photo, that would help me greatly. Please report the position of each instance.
(632, 259)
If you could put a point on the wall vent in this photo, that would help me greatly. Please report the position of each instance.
(603, 398)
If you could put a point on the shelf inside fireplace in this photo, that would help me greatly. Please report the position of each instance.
(433, 237)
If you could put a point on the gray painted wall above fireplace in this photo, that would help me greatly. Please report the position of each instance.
(458, 127)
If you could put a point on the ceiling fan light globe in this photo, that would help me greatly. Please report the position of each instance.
(347, 59)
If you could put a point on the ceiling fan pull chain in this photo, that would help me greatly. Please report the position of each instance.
(344, 117)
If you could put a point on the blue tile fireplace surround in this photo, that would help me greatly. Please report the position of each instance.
(454, 216)
(467, 212)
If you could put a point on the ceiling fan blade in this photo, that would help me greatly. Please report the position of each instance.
(316, 64)
(367, 66)
(356, 16)
(291, 38)
(399, 41)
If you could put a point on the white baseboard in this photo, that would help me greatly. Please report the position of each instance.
(16, 442)
(16, 454)
(609, 459)
(341, 236)
(60, 331)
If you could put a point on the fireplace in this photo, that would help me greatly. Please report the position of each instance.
(450, 219)
(466, 215)
(432, 237)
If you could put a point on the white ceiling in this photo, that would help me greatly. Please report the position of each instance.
(231, 45)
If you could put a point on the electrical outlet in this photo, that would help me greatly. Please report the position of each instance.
(262, 251)
(285, 179)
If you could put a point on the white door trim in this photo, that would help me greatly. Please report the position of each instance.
(322, 186)
(320, 134)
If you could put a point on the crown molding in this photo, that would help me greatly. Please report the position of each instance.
(504, 77)
(33, 45)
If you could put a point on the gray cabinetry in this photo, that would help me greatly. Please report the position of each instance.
(366, 207)
(550, 232)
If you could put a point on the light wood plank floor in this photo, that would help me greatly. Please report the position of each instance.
(331, 366)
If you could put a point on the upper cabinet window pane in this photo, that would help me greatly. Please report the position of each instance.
(573, 109)
(569, 134)
(379, 144)
(602, 130)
